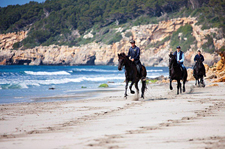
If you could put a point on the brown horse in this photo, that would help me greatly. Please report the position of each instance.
(132, 74)
(176, 73)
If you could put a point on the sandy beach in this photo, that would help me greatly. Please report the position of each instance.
(195, 119)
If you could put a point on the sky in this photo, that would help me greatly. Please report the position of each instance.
(4, 3)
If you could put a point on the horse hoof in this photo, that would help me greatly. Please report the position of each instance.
(183, 90)
(132, 92)
(142, 96)
(171, 88)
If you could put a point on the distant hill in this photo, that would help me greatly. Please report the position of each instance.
(65, 22)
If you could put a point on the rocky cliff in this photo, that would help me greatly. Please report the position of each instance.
(7, 40)
(215, 73)
(102, 54)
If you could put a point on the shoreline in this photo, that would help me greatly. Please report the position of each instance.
(194, 119)
(77, 95)
(19, 84)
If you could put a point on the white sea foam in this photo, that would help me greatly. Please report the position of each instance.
(77, 80)
(13, 86)
(93, 70)
(25, 83)
(155, 70)
(47, 73)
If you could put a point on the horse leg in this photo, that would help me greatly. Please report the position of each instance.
(198, 83)
(131, 91)
(136, 86)
(178, 86)
(171, 88)
(143, 88)
(125, 95)
(137, 89)
(202, 81)
(184, 85)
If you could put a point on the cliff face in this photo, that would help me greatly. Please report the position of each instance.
(102, 54)
(7, 40)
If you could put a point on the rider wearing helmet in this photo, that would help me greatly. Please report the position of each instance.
(134, 54)
(198, 56)
(180, 58)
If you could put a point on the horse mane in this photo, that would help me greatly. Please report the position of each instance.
(172, 57)
(123, 55)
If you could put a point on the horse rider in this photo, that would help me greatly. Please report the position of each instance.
(134, 54)
(199, 56)
(180, 58)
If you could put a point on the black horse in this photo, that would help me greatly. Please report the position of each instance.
(199, 70)
(132, 74)
(176, 73)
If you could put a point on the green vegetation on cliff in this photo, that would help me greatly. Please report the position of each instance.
(57, 21)
(183, 36)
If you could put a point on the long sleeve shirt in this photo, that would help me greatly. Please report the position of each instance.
(134, 53)
(199, 57)
(178, 57)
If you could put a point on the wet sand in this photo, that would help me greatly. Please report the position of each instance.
(195, 119)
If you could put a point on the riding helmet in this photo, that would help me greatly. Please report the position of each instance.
(132, 41)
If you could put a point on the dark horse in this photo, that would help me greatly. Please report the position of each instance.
(199, 72)
(131, 74)
(176, 73)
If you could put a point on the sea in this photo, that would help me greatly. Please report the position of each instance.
(21, 83)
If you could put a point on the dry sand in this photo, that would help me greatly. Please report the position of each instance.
(195, 119)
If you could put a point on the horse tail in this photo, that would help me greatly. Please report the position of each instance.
(185, 76)
(143, 80)
(144, 87)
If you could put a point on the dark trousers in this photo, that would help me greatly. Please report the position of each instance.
(138, 65)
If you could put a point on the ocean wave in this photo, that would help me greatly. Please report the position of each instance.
(92, 70)
(77, 80)
(13, 86)
(47, 73)
(7, 84)
(160, 70)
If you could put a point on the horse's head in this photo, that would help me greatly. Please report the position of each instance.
(122, 58)
(172, 59)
